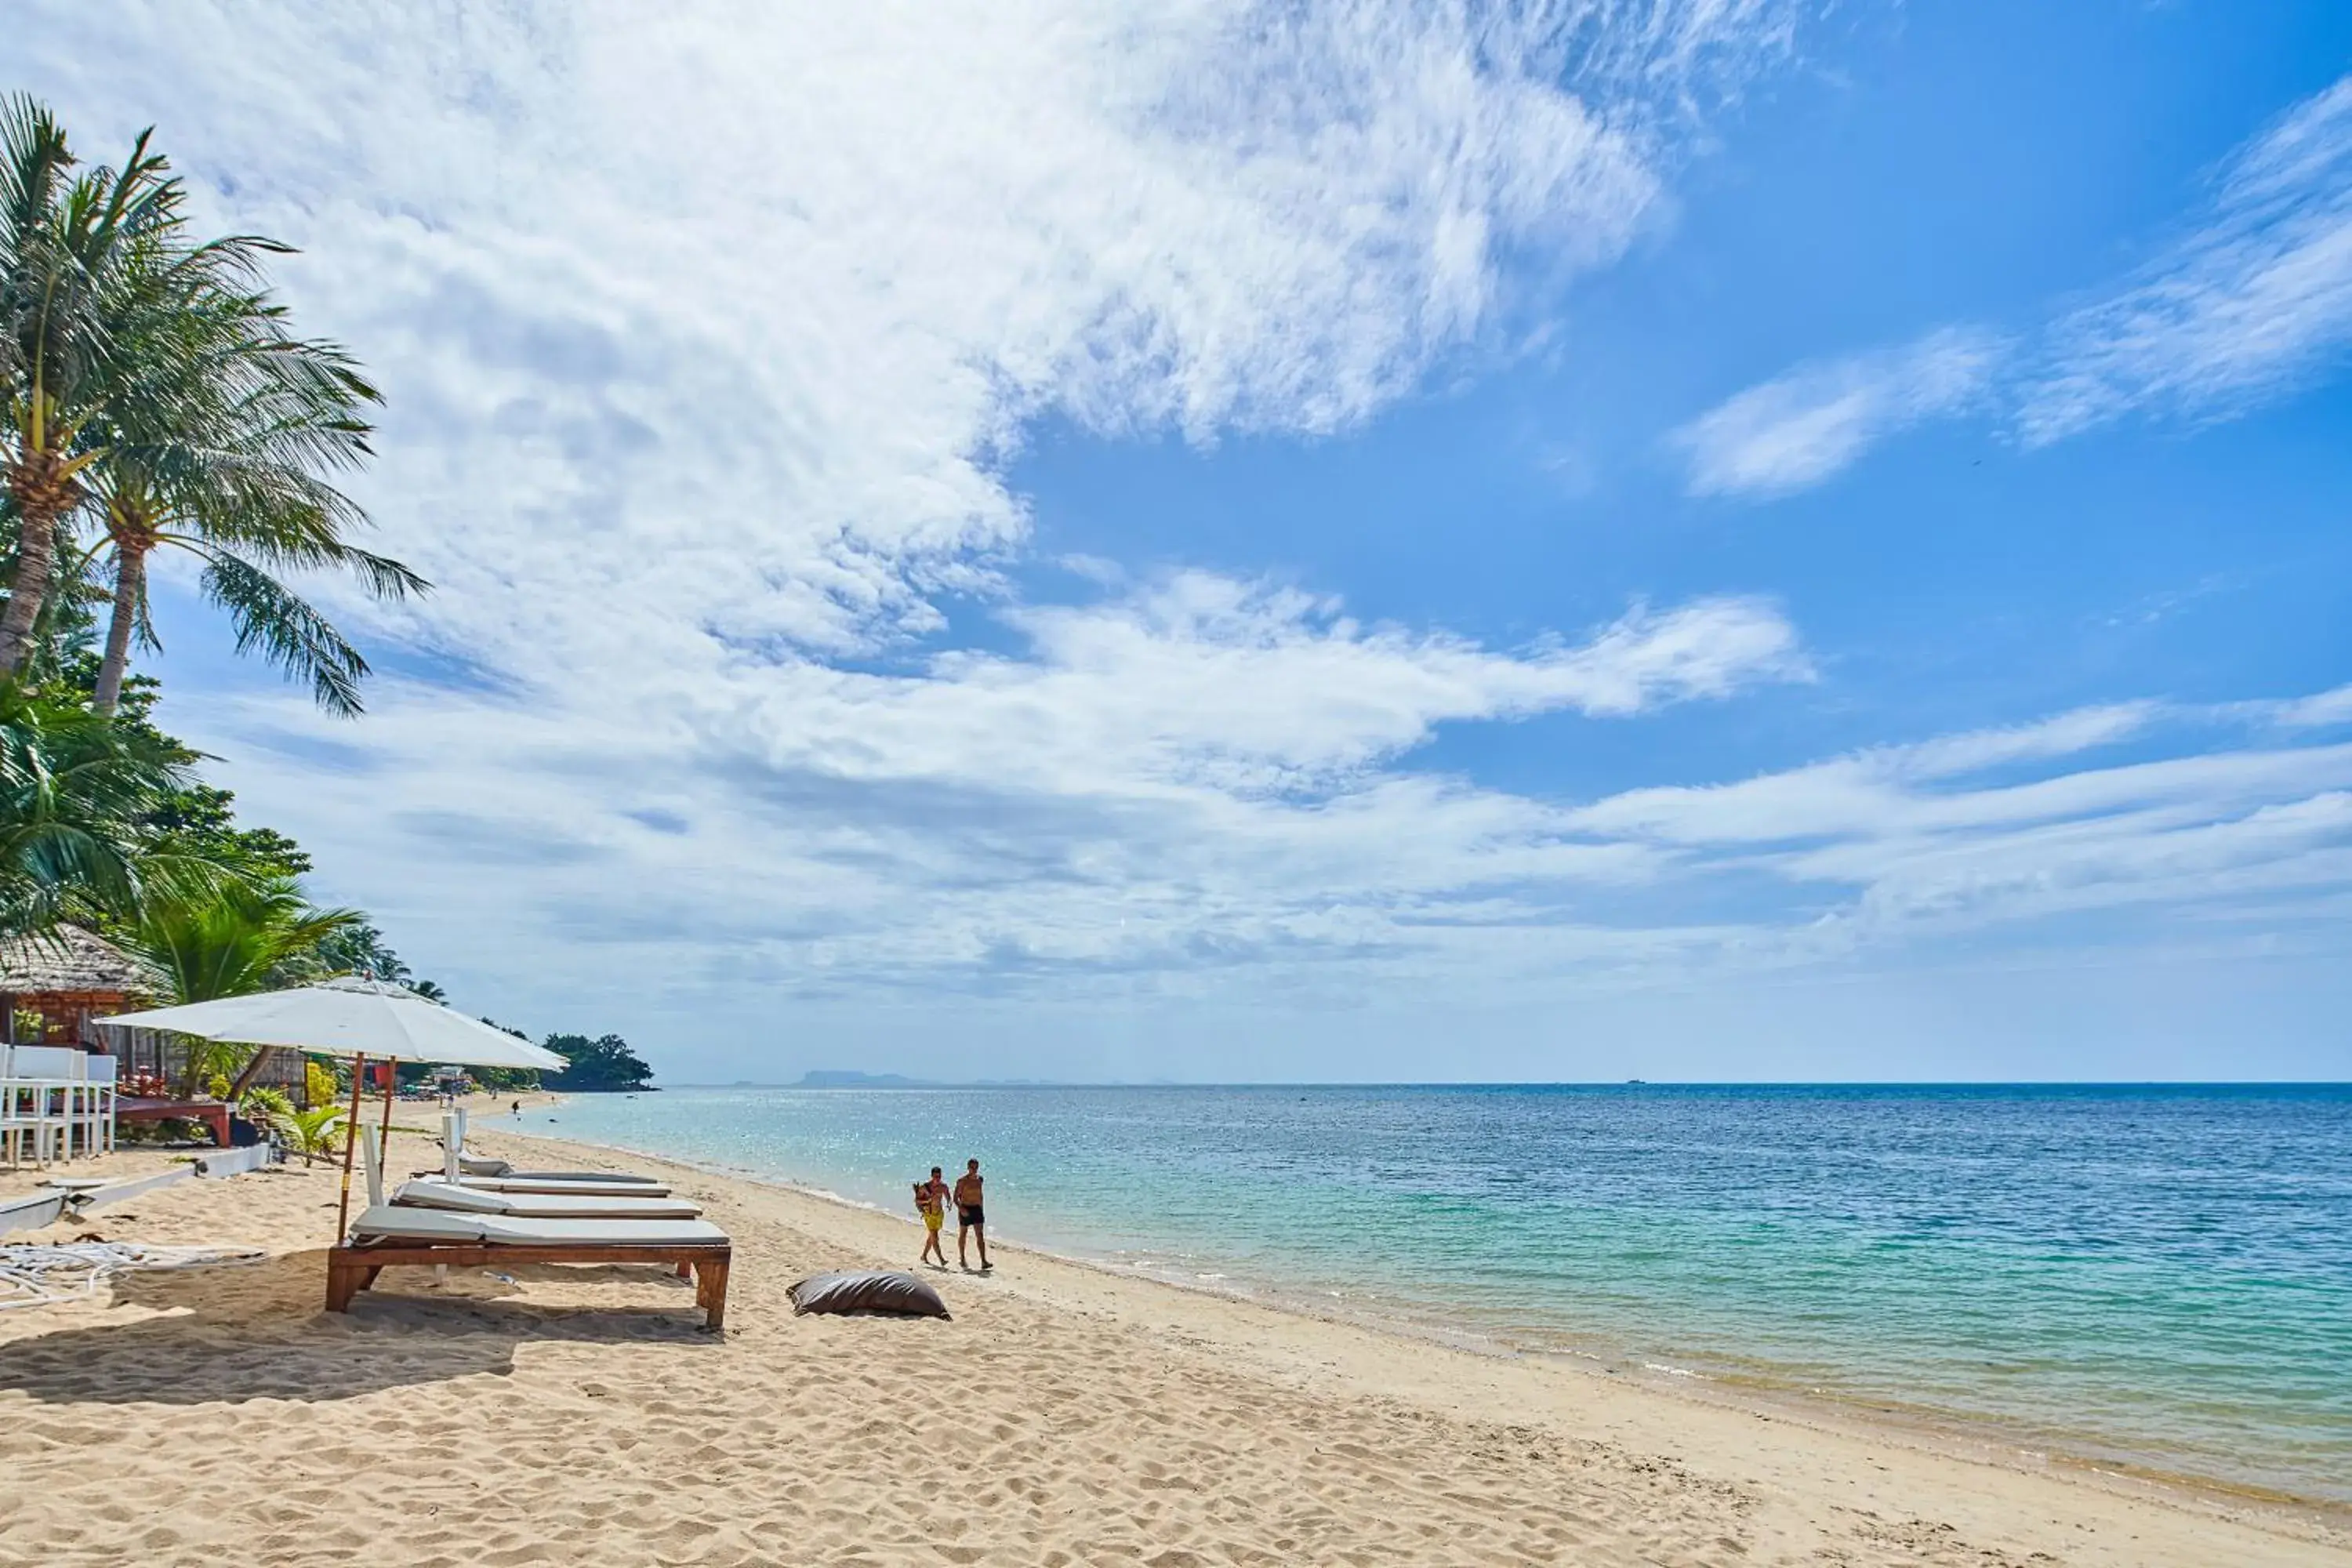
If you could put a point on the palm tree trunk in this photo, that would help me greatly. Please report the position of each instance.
(130, 588)
(252, 1069)
(37, 539)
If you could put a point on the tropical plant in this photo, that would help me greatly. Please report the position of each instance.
(427, 989)
(156, 378)
(240, 937)
(311, 1134)
(265, 1105)
(359, 949)
(319, 1087)
(66, 245)
(213, 430)
(76, 792)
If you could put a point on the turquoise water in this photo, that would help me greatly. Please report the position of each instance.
(2160, 1276)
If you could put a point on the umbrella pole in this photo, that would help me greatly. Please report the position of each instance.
(351, 1140)
(383, 1139)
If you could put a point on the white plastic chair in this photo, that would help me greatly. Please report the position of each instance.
(48, 1083)
(98, 1103)
(25, 1100)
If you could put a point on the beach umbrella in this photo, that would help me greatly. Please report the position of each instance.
(366, 1020)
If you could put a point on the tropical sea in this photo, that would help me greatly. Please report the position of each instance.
(2157, 1277)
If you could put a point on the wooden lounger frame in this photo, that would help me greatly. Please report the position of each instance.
(352, 1269)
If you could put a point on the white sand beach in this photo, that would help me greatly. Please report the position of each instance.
(1066, 1415)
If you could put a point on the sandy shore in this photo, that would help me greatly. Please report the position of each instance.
(1066, 1415)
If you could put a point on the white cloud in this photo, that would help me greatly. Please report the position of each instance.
(707, 336)
(2254, 300)
(2318, 711)
(1800, 427)
(1943, 836)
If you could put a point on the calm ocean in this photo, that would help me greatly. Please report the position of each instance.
(2158, 1275)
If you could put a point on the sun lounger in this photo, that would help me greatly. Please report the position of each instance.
(583, 1186)
(390, 1234)
(438, 1195)
(483, 1166)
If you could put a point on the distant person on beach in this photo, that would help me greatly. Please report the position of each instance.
(932, 1203)
(969, 1219)
(517, 1109)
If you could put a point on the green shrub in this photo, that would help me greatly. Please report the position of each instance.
(311, 1134)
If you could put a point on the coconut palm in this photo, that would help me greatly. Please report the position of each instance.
(239, 938)
(65, 242)
(214, 433)
(156, 380)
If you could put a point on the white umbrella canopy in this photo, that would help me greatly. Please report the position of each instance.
(349, 1018)
(365, 1019)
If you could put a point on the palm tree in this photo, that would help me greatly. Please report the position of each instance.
(240, 937)
(77, 790)
(64, 243)
(191, 416)
(214, 433)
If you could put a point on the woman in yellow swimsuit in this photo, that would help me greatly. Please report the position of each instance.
(932, 1203)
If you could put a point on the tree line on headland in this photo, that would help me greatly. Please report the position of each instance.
(155, 395)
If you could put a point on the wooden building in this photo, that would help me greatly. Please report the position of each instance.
(51, 986)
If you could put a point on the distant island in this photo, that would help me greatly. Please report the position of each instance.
(836, 1077)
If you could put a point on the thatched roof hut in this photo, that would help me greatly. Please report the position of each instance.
(66, 976)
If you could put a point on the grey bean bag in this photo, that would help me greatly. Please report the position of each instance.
(868, 1291)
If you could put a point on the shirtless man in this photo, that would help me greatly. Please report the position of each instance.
(969, 1219)
(932, 1203)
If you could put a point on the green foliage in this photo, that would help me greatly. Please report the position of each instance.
(266, 1105)
(71, 247)
(359, 949)
(311, 1134)
(319, 1085)
(199, 822)
(604, 1063)
(77, 792)
(245, 937)
(241, 936)
(152, 380)
(153, 395)
(506, 1081)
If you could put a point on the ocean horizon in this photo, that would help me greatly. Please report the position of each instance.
(2153, 1275)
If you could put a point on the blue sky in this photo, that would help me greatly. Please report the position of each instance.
(1719, 541)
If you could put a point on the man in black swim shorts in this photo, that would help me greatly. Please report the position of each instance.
(970, 1218)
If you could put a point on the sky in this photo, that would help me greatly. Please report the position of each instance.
(1682, 539)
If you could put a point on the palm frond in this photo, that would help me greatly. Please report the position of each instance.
(270, 617)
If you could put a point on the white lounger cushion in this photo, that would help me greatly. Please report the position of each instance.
(480, 1166)
(584, 1187)
(540, 1205)
(398, 1222)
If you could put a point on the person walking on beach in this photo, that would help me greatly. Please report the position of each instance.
(971, 1220)
(932, 1203)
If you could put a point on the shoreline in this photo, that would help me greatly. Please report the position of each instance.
(1965, 1438)
(1066, 1414)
